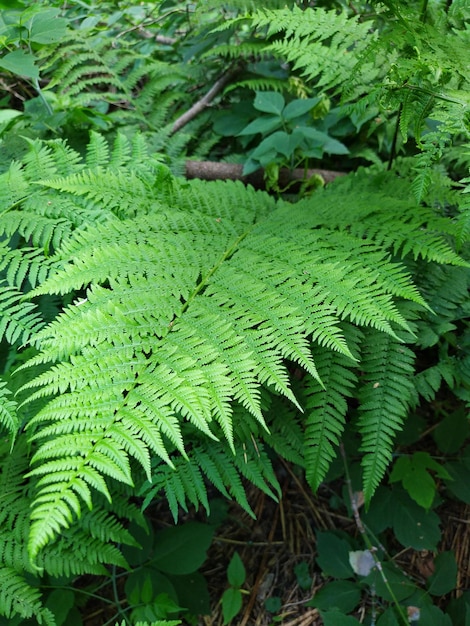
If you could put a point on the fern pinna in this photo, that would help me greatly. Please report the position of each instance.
(154, 324)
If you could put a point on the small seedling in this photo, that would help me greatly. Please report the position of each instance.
(232, 597)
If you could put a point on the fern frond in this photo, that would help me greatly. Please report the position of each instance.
(93, 69)
(385, 397)
(17, 597)
(334, 41)
(190, 311)
(8, 415)
(326, 407)
(19, 320)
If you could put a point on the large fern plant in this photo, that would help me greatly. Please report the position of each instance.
(158, 334)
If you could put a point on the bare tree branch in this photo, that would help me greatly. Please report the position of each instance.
(201, 104)
(209, 170)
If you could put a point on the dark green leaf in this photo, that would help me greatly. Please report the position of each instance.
(341, 594)
(401, 585)
(60, 602)
(273, 604)
(333, 555)
(459, 486)
(452, 432)
(444, 578)
(388, 618)
(236, 571)
(336, 618)
(192, 593)
(414, 527)
(182, 549)
(433, 616)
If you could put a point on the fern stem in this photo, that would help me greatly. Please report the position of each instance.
(393, 149)
(203, 282)
(41, 96)
(362, 530)
(424, 10)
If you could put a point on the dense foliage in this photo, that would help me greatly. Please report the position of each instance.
(172, 338)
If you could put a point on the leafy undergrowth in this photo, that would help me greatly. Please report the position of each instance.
(304, 560)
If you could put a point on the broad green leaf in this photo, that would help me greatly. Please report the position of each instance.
(192, 593)
(459, 486)
(60, 602)
(401, 585)
(299, 107)
(341, 594)
(414, 527)
(280, 142)
(302, 574)
(8, 114)
(182, 549)
(46, 27)
(269, 102)
(21, 63)
(433, 616)
(314, 138)
(333, 555)
(231, 604)
(337, 618)
(451, 433)
(388, 618)
(379, 515)
(236, 573)
(262, 125)
(444, 578)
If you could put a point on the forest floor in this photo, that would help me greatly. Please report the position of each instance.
(278, 552)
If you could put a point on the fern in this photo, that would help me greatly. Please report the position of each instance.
(326, 408)
(93, 68)
(188, 310)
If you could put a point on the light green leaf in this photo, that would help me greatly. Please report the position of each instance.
(262, 125)
(46, 27)
(299, 107)
(21, 63)
(269, 102)
(231, 604)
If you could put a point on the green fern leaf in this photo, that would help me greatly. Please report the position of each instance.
(326, 408)
(385, 398)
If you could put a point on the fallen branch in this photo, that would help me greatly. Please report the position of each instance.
(210, 170)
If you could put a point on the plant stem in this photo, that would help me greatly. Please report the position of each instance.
(367, 541)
